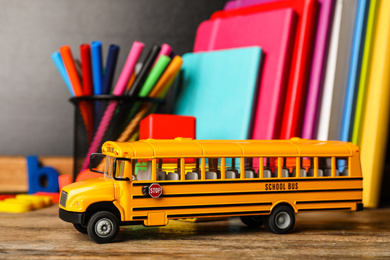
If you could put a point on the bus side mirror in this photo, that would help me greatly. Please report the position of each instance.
(95, 162)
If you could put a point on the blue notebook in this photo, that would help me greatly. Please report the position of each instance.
(219, 89)
(354, 70)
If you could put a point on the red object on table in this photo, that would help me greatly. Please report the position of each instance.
(161, 126)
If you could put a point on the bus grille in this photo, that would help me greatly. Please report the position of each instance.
(64, 197)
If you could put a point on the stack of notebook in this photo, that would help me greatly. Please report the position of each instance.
(276, 69)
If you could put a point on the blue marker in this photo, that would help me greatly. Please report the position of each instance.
(56, 57)
(97, 69)
(110, 68)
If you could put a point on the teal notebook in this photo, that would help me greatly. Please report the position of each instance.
(219, 89)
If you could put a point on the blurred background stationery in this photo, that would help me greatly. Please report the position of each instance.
(336, 74)
(243, 3)
(376, 116)
(365, 72)
(218, 88)
(293, 104)
(274, 32)
(354, 71)
(97, 67)
(317, 70)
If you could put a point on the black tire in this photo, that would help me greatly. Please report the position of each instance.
(252, 221)
(80, 228)
(281, 220)
(103, 227)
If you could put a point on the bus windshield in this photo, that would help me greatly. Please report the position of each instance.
(108, 170)
(116, 168)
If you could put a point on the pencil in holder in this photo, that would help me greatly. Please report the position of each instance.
(105, 118)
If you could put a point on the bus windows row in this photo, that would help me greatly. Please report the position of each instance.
(170, 169)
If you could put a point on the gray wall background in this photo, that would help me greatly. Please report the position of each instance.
(35, 114)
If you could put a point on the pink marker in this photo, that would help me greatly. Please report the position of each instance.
(165, 50)
(119, 89)
(132, 59)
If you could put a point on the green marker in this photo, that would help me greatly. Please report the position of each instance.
(154, 75)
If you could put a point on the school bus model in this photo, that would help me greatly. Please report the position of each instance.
(150, 182)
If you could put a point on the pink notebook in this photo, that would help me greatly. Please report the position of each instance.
(274, 32)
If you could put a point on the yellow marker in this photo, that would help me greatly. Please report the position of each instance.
(15, 206)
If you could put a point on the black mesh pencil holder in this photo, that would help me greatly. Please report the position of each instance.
(106, 118)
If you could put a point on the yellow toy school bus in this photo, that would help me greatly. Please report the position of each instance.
(150, 182)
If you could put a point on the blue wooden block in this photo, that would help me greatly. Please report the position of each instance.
(41, 179)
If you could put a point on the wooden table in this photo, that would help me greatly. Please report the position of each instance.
(41, 233)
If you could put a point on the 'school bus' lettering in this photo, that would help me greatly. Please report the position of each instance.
(281, 186)
(264, 182)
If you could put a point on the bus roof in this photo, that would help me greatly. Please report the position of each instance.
(187, 148)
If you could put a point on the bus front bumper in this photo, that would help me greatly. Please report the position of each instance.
(72, 217)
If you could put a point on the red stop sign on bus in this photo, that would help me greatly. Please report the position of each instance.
(155, 190)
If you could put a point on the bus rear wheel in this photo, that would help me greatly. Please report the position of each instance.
(103, 227)
(252, 221)
(281, 220)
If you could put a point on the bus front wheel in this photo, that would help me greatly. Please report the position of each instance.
(80, 228)
(252, 221)
(281, 220)
(103, 227)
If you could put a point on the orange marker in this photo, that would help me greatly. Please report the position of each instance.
(168, 74)
(131, 80)
(67, 57)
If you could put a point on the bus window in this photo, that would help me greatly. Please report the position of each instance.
(192, 169)
(291, 164)
(168, 169)
(285, 172)
(142, 169)
(109, 166)
(232, 168)
(342, 166)
(121, 167)
(325, 165)
(270, 166)
(212, 168)
(250, 170)
(307, 165)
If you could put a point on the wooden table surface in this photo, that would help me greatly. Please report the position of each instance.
(41, 233)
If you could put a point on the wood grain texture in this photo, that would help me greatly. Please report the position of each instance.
(41, 233)
(13, 171)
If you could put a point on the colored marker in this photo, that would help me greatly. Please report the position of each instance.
(168, 76)
(86, 69)
(108, 77)
(97, 67)
(120, 86)
(154, 75)
(131, 81)
(165, 50)
(56, 57)
(144, 72)
(67, 57)
(160, 88)
(128, 68)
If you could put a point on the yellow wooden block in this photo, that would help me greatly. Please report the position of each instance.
(15, 206)
(37, 201)
(46, 199)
